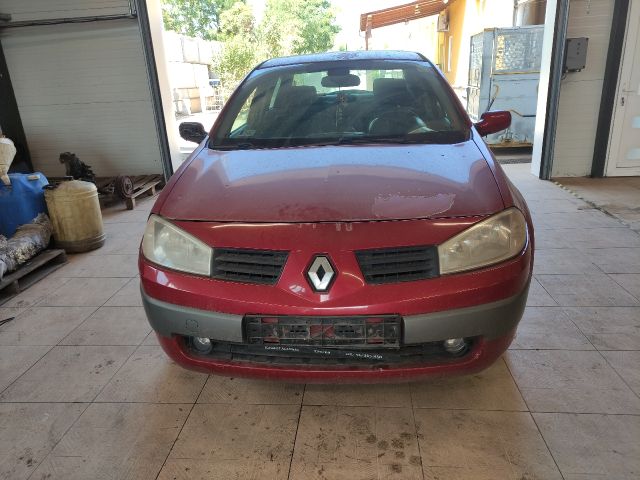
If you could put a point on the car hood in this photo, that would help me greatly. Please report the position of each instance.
(335, 183)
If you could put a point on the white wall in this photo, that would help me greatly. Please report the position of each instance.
(580, 92)
(82, 87)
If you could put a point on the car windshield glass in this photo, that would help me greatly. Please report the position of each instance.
(341, 103)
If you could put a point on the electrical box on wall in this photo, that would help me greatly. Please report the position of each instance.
(575, 58)
(443, 21)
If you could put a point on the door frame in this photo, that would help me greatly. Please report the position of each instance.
(632, 31)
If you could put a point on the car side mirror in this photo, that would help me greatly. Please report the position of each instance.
(492, 122)
(192, 131)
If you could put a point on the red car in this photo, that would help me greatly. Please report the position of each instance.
(343, 221)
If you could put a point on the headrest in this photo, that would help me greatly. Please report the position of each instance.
(295, 95)
(389, 86)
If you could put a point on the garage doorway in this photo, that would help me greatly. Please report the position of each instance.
(624, 151)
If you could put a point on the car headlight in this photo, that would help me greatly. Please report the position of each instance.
(496, 239)
(167, 245)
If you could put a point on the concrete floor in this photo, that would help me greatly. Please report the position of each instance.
(85, 392)
(618, 196)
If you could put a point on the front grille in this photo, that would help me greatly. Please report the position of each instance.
(305, 355)
(250, 266)
(404, 264)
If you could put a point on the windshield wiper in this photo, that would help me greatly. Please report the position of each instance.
(235, 146)
(377, 140)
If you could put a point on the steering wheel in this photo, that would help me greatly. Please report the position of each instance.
(397, 121)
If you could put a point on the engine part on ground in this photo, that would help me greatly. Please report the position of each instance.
(21, 201)
(7, 154)
(76, 168)
(123, 186)
(25, 244)
(75, 215)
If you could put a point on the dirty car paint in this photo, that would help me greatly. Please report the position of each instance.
(336, 183)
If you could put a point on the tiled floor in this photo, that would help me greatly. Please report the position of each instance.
(618, 196)
(85, 391)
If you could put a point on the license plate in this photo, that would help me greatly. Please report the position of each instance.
(367, 332)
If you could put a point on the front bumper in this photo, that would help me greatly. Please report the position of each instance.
(491, 325)
(492, 320)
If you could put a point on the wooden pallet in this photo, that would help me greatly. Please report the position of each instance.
(141, 186)
(31, 272)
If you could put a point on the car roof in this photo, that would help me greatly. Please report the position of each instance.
(340, 56)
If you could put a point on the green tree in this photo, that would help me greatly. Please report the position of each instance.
(195, 18)
(289, 27)
(238, 34)
(294, 27)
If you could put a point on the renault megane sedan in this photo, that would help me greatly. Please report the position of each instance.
(343, 221)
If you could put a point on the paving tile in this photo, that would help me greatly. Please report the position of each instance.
(355, 471)
(586, 290)
(14, 361)
(126, 242)
(563, 260)
(84, 292)
(383, 395)
(127, 296)
(491, 389)
(116, 441)
(256, 433)
(150, 376)
(538, 296)
(111, 326)
(507, 443)
(103, 468)
(122, 430)
(7, 313)
(597, 238)
(334, 439)
(593, 444)
(630, 282)
(36, 292)
(615, 260)
(28, 432)
(124, 229)
(627, 364)
(43, 325)
(539, 206)
(570, 381)
(68, 374)
(191, 469)
(220, 389)
(548, 328)
(608, 328)
(138, 215)
(475, 473)
(586, 219)
(152, 339)
(97, 266)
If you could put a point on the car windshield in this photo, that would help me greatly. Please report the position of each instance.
(341, 103)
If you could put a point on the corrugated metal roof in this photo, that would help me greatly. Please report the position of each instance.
(338, 56)
(403, 13)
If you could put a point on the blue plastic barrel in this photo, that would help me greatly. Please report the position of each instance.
(21, 201)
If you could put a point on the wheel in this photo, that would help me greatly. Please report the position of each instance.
(123, 186)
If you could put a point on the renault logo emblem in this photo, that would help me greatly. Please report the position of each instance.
(321, 273)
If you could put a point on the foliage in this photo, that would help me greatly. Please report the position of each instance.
(289, 27)
(195, 18)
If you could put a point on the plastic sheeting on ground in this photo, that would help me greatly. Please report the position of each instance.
(25, 244)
